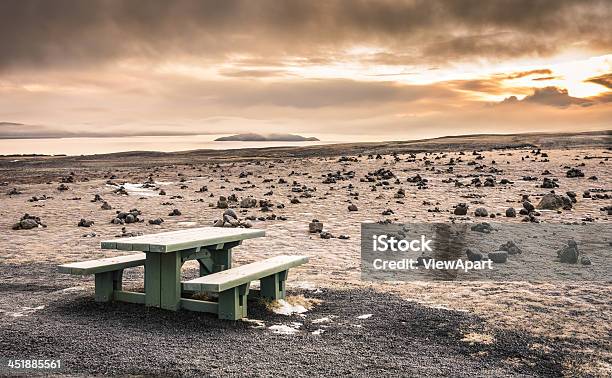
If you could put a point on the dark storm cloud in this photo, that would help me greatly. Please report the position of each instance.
(86, 32)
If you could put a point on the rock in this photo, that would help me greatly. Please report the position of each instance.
(551, 201)
(162, 192)
(510, 247)
(97, 198)
(388, 212)
(474, 256)
(230, 213)
(175, 213)
(218, 223)
(510, 212)
(352, 207)
(105, 206)
(248, 202)
(481, 212)
(499, 257)
(574, 172)
(528, 206)
(222, 204)
(63, 187)
(584, 260)
(315, 226)
(549, 183)
(295, 200)
(13, 192)
(28, 222)
(483, 227)
(461, 209)
(325, 235)
(344, 237)
(569, 254)
(130, 218)
(85, 223)
(156, 221)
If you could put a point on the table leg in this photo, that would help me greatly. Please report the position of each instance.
(222, 259)
(171, 264)
(153, 279)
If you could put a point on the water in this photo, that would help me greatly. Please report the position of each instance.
(89, 146)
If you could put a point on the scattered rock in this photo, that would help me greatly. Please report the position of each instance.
(461, 209)
(28, 222)
(315, 226)
(510, 212)
(569, 254)
(352, 207)
(551, 201)
(156, 221)
(511, 248)
(481, 212)
(175, 213)
(499, 257)
(574, 172)
(85, 223)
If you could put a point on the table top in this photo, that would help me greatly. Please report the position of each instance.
(182, 239)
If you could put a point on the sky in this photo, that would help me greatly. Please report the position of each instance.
(339, 69)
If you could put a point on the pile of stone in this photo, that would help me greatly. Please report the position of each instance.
(548, 183)
(13, 192)
(28, 222)
(230, 219)
(131, 216)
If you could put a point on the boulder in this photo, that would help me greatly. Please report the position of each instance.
(569, 254)
(551, 201)
(510, 212)
(461, 209)
(481, 212)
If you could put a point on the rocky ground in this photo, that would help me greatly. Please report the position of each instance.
(538, 326)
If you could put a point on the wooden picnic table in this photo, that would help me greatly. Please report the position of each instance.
(166, 252)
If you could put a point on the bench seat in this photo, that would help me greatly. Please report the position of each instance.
(227, 279)
(233, 284)
(109, 275)
(103, 265)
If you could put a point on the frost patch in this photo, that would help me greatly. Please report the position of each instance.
(283, 329)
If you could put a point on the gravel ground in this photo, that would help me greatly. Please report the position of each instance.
(400, 338)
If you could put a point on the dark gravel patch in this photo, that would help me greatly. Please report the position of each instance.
(401, 338)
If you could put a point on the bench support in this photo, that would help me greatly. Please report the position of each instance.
(233, 302)
(107, 283)
(273, 286)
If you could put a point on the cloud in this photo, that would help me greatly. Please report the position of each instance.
(551, 96)
(43, 33)
(605, 80)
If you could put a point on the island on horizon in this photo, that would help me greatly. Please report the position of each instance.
(253, 137)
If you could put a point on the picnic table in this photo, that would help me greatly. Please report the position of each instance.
(163, 256)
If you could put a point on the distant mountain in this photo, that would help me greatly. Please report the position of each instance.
(252, 137)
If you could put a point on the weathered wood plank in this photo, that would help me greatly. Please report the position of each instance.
(129, 296)
(183, 239)
(104, 286)
(200, 306)
(103, 265)
(224, 280)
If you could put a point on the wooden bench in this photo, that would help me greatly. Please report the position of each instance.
(108, 275)
(233, 284)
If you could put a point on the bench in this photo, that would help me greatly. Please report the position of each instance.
(108, 273)
(233, 284)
